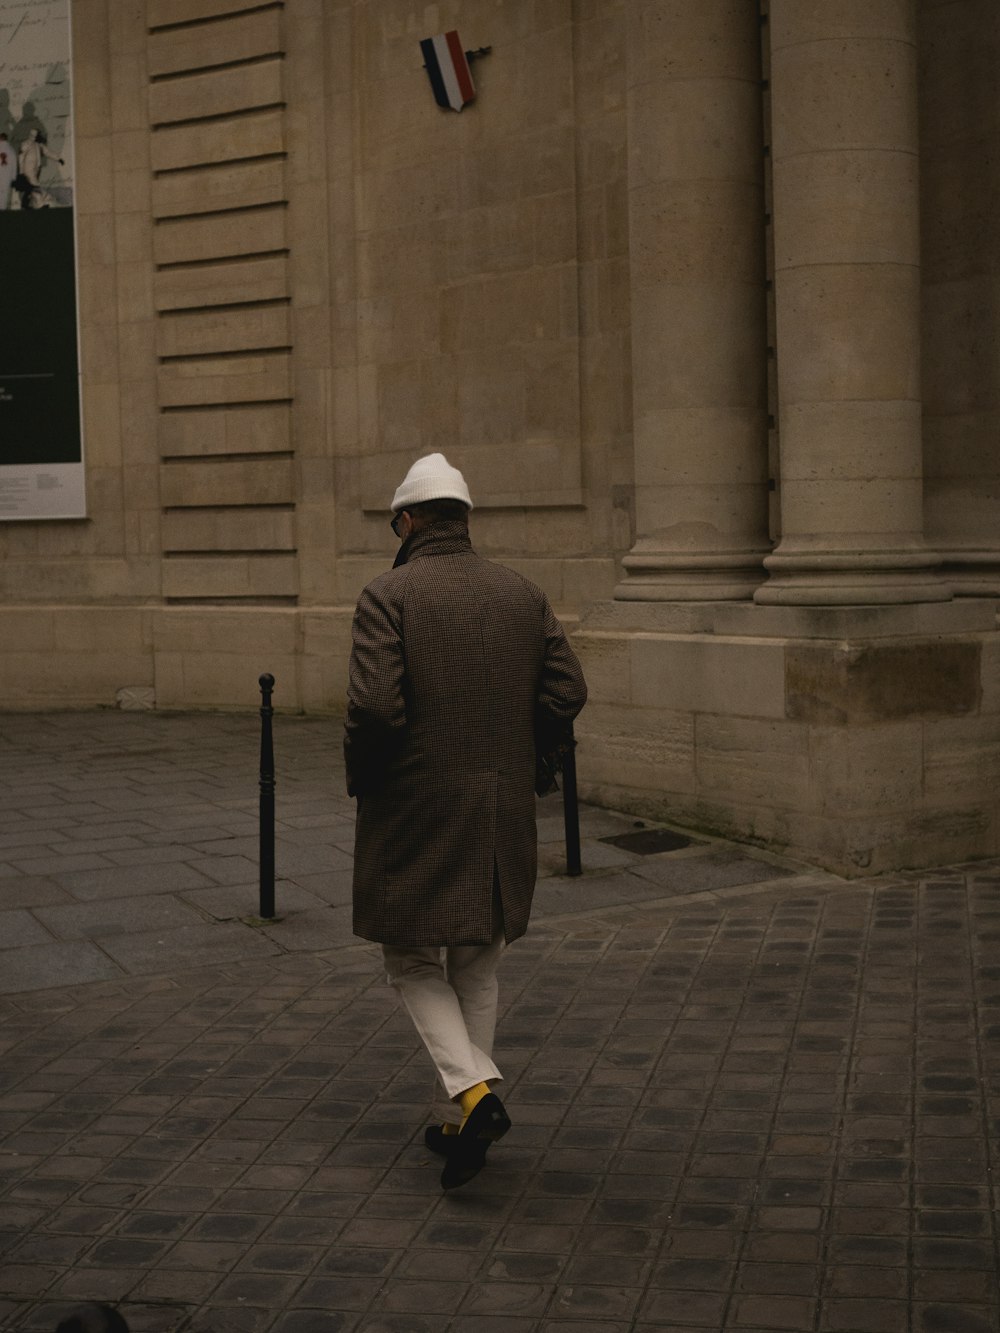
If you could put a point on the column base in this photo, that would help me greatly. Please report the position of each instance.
(656, 575)
(856, 578)
(972, 573)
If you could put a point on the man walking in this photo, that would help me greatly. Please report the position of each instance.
(462, 684)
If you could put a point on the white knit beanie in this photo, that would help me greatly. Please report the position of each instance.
(431, 478)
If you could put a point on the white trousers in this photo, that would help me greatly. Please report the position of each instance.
(451, 996)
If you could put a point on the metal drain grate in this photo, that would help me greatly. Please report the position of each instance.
(648, 841)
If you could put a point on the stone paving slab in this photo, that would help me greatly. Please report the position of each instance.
(80, 921)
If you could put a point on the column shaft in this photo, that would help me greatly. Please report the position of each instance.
(960, 247)
(698, 303)
(847, 300)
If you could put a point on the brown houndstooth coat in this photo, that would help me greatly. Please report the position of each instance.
(456, 662)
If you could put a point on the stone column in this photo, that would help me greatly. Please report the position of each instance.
(960, 248)
(696, 227)
(847, 300)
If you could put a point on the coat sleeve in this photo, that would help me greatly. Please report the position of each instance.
(562, 692)
(376, 703)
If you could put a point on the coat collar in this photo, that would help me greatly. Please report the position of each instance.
(444, 538)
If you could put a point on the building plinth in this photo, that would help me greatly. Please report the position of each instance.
(860, 739)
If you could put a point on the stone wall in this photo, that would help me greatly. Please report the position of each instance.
(296, 274)
(699, 298)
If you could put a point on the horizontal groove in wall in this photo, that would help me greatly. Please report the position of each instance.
(237, 353)
(211, 69)
(230, 601)
(238, 11)
(249, 600)
(228, 458)
(168, 218)
(216, 306)
(222, 259)
(251, 109)
(198, 167)
(282, 400)
(265, 507)
(277, 551)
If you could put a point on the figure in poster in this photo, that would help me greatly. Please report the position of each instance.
(8, 169)
(30, 158)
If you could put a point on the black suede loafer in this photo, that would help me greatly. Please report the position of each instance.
(487, 1122)
(438, 1141)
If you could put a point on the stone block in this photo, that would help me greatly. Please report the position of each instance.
(219, 41)
(862, 183)
(237, 481)
(754, 761)
(94, 183)
(854, 440)
(641, 747)
(263, 279)
(271, 575)
(961, 758)
(190, 333)
(247, 529)
(709, 675)
(696, 132)
(696, 52)
(26, 630)
(923, 837)
(868, 767)
(262, 428)
(835, 112)
(103, 629)
(253, 377)
(880, 365)
(870, 682)
(215, 189)
(194, 239)
(135, 292)
(220, 680)
(226, 630)
(219, 92)
(851, 20)
(607, 664)
(250, 135)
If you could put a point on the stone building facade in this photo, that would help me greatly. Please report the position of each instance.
(699, 294)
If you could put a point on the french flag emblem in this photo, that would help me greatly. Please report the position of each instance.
(448, 70)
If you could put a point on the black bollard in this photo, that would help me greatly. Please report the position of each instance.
(266, 800)
(571, 810)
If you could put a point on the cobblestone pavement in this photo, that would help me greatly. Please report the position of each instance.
(746, 1096)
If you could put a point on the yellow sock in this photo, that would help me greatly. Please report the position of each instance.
(471, 1098)
(449, 1128)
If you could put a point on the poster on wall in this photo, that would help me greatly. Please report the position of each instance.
(41, 439)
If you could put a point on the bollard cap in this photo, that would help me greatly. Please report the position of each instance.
(266, 682)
